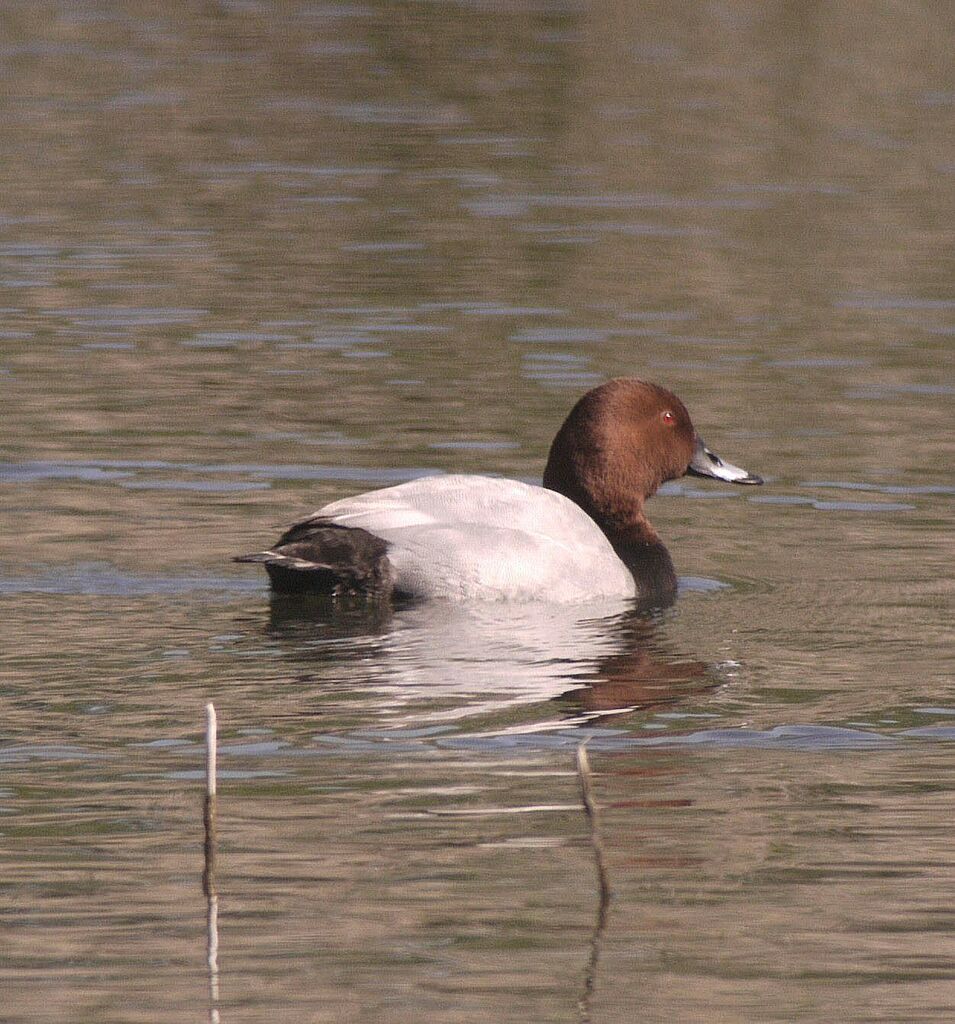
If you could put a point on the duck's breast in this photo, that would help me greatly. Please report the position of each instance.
(466, 537)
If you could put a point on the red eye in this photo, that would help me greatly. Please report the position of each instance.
(668, 418)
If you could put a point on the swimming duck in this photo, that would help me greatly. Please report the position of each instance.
(582, 536)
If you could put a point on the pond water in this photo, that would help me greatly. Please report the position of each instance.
(256, 256)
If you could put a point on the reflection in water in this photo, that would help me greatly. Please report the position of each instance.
(304, 615)
(641, 675)
(444, 661)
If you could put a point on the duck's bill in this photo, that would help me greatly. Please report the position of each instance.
(707, 463)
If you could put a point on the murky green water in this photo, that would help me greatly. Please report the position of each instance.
(258, 256)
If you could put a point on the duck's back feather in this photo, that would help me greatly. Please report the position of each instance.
(464, 537)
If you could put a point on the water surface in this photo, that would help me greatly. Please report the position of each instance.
(256, 257)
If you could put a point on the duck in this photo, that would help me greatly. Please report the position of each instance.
(582, 535)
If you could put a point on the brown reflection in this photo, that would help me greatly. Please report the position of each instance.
(641, 676)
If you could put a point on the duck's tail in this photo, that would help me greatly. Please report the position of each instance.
(321, 558)
(278, 558)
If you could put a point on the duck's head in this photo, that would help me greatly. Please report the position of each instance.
(621, 441)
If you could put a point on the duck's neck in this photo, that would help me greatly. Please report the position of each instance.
(640, 549)
(634, 540)
(589, 473)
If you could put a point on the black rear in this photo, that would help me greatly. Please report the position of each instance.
(319, 557)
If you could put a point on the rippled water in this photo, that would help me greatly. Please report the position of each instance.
(258, 256)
